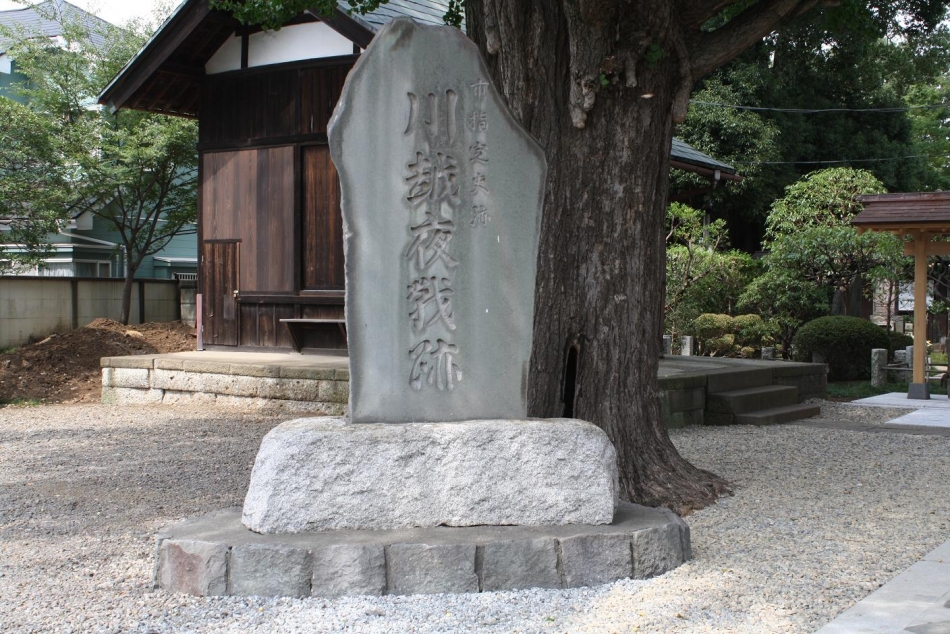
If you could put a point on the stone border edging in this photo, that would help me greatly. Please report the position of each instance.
(215, 555)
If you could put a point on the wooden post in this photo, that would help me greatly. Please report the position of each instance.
(919, 389)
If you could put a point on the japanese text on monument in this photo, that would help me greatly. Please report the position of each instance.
(436, 186)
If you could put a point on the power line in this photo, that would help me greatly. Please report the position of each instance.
(936, 106)
(870, 160)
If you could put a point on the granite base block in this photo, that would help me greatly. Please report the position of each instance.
(215, 555)
(320, 474)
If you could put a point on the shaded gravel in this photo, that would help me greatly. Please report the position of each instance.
(820, 518)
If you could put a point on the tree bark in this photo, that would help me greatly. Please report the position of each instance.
(127, 296)
(601, 267)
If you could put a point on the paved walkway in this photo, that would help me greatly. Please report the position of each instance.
(916, 601)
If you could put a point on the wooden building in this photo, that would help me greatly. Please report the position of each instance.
(270, 230)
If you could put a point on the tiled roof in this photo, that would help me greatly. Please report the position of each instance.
(31, 20)
(688, 154)
(425, 11)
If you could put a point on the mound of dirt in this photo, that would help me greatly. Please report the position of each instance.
(64, 368)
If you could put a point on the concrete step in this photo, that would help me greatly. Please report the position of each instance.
(778, 415)
(752, 398)
(728, 380)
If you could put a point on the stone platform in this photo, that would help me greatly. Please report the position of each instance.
(216, 555)
(319, 383)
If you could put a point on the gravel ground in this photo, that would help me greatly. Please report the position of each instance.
(820, 518)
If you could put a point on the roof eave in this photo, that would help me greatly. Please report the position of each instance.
(160, 45)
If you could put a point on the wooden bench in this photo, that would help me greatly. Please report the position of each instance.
(298, 326)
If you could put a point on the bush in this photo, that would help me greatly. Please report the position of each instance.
(753, 332)
(710, 326)
(897, 341)
(725, 336)
(844, 342)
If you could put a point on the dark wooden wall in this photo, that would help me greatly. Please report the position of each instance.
(271, 192)
(322, 221)
(270, 104)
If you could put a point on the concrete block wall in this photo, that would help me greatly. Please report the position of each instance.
(28, 308)
(39, 306)
(683, 396)
(683, 399)
(149, 379)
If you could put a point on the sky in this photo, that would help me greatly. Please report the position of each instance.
(115, 11)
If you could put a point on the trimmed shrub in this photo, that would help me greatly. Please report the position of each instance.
(709, 326)
(725, 336)
(752, 332)
(844, 342)
(897, 341)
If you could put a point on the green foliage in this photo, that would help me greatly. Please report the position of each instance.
(814, 252)
(709, 326)
(34, 183)
(753, 332)
(654, 55)
(826, 198)
(833, 256)
(898, 341)
(700, 278)
(851, 56)
(735, 137)
(845, 343)
(137, 171)
(722, 335)
(786, 301)
(272, 15)
(932, 131)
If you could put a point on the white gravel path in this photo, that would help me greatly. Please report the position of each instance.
(820, 518)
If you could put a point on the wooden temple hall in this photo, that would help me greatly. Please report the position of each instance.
(921, 219)
(269, 224)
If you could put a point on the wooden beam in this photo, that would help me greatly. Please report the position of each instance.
(932, 248)
(920, 308)
(155, 53)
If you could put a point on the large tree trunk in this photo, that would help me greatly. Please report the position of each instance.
(601, 267)
(127, 296)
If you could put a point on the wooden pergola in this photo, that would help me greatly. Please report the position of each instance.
(919, 217)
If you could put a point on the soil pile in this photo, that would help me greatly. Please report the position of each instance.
(64, 368)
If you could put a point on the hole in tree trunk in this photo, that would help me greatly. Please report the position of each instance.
(570, 379)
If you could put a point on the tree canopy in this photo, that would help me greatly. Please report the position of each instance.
(136, 171)
(599, 85)
(828, 88)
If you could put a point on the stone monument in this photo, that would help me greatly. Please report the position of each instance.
(437, 481)
(441, 195)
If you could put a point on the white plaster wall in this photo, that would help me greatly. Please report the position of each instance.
(290, 44)
(6, 64)
(226, 58)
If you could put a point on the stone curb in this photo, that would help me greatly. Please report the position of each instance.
(134, 396)
(215, 554)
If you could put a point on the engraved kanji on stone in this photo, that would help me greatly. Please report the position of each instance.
(439, 114)
(428, 290)
(433, 179)
(479, 183)
(434, 365)
(431, 242)
(478, 121)
(480, 216)
(478, 152)
(479, 87)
